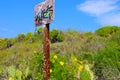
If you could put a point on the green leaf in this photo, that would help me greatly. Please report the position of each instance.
(87, 74)
(18, 74)
(11, 71)
(27, 72)
(10, 78)
(1, 70)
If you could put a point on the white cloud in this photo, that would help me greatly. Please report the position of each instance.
(98, 7)
(110, 19)
(107, 12)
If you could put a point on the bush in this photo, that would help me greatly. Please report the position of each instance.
(69, 69)
(56, 36)
(88, 33)
(40, 30)
(116, 37)
(107, 65)
(36, 66)
(107, 30)
(6, 43)
(29, 35)
(10, 43)
(60, 37)
(21, 37)
(16, 74)
(3, 43)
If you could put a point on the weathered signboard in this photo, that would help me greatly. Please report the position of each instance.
(44, 12)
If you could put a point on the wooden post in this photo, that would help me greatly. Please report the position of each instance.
(46, 48)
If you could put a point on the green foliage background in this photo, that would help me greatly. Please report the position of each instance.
(86, 56)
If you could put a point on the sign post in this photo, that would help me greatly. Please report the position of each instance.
(46, 53)
(44, 14)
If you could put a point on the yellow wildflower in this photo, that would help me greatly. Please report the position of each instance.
(81, 62)
(75, 60)
(35, 51)
(55, 57)
(53, 61)
(51, 71)
(61, 63)
(80, 68)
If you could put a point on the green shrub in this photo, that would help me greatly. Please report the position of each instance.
(60, 37)
(89, 57)
(72, 32)
(12, 71)
(88, 33)
(56, 36)
(39, 30)
(21, 37)
(36, 66)
(1, 70)
(59, 65)
(106, 64)
(38, 35)
(16, 74)
(29, 35)
(3, 43)
(87, 74)
(53, 35)
(107, 30)
(116, 37)
(6, 43)
(10, 43)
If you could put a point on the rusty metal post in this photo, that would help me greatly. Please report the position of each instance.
(46, 48)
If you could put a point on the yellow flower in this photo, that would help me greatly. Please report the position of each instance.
(61, 63)
(81, 62)
(75, 60)
(55, 57)
(51, 71)
(35, 51)
(80, 68)
(53, 61)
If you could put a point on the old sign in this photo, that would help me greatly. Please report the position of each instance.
(44, 12)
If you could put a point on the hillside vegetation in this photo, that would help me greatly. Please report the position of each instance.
(74, 55)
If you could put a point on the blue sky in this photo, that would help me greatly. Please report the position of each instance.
(17, 16)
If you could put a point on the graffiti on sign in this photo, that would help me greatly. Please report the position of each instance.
(44, 12)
